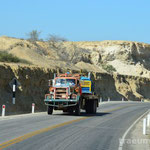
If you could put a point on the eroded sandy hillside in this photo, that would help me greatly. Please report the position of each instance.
(128, 58)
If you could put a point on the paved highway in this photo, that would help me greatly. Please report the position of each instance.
(66, 132)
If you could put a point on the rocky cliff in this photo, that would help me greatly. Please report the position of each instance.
(34, 85)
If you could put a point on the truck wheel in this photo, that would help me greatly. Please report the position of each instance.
(49, 110)
(87, 108)
(94, 107)
(91, 107)
(77, 110)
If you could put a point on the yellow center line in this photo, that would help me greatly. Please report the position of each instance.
(37, 132)
(116, 108)
(29, 135)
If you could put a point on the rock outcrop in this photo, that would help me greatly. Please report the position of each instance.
(34, 85)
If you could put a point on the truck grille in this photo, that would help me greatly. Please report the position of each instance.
(61, 93)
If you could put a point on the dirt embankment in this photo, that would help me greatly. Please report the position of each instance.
(34, 85)
(122, 86)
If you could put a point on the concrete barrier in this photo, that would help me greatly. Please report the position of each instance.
(101, 99)
(3, 110)
(148, 120)
(33, 108)
(144, 126)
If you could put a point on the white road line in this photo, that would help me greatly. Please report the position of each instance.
(127, 131)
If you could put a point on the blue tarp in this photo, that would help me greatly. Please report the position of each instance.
(84, 78)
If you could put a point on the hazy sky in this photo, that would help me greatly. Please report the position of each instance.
(77, 20)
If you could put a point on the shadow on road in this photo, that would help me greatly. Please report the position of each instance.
(83, 114)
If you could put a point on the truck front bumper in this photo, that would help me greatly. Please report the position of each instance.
(61, 103)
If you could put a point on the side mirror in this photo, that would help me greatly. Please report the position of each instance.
(53, 82)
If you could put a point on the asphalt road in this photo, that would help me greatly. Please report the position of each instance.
(66, 132)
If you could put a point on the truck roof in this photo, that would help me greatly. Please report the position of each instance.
(65, 78)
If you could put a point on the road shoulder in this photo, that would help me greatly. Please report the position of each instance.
(135, 139)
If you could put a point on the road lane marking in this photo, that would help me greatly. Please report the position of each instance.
(121, 107)
(29, 135)
(127, 131)
(37, 132)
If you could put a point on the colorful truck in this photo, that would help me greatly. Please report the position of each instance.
(71, 93)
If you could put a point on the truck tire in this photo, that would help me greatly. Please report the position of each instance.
(77, 110)
(49, 110)
(87, 111)
(91, 107)
(88, 107)
(94, 107)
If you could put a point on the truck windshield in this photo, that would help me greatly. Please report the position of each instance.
(65, 81)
